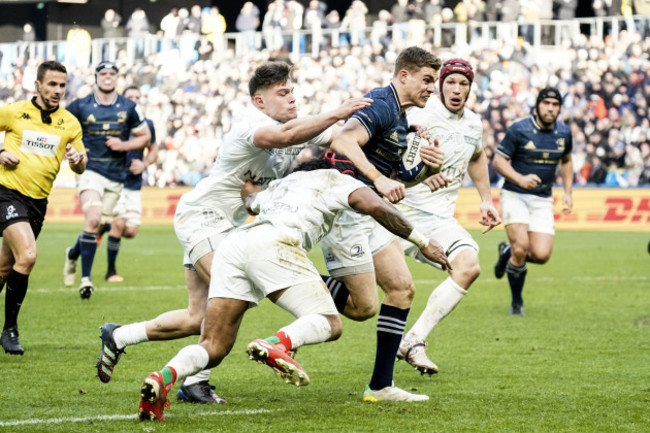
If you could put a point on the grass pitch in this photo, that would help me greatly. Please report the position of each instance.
(578, 362)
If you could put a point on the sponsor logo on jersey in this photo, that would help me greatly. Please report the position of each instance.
(40, 143)
(530, 146)
(25, 116)
(91, 119)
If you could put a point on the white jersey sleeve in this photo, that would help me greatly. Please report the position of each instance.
(460, 139)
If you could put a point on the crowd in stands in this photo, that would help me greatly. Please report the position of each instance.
(605, 82)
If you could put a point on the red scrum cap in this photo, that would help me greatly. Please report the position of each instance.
(456, 66)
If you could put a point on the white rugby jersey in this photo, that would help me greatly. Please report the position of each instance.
(459, 139)
(240, 160)
(305, 204)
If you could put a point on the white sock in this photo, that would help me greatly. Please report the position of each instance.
(191, 359)
(442, 301)
(127, 335)
(201, 376)
(309, 329)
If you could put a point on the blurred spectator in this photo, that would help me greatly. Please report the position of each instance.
(213, 25)
(247, 22)
(193, 21)
(170, 23)
(29, 35)
(354, 23)
(274, 24)
(110, 24)
(137, 26)
(400, 14)
(314, 20)
(78, 47)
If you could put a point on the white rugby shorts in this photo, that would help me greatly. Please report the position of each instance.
(255, 261)
(444, 230)
(199, 230)
(350, 245)
(109, 190)
(529, 209)
(129, 207)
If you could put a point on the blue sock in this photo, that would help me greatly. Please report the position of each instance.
(516, 278)
(76, 249)
(390, 328)
(338, 290)
(88, 247)
(112, 248)
(105, 228)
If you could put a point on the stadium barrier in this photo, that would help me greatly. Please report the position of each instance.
(610, 209)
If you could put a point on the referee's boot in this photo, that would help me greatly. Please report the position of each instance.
(10, 341)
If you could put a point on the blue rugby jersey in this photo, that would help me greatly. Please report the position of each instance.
(533, 150)
(134, 181)
(100, 121)
(387, 127)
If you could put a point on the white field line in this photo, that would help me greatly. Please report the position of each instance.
(615, 278)
(127, 417)
(114, 288)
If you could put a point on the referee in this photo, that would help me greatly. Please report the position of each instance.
(39, 135)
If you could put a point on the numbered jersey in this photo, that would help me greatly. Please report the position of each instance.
(39, 146)
(460, 139)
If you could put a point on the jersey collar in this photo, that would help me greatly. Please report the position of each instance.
(106, 105)
(45, 115)
(394, 92)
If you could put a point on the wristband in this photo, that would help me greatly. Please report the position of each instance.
(418, 239)
(2, 150)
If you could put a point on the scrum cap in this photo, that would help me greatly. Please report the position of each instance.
(105, 65)
(456, 66)
(548, 92)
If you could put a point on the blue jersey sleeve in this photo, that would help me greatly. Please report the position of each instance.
(508, 146)
(376, 118)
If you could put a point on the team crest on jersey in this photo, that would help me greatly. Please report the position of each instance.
(560, 144)
(121, 116)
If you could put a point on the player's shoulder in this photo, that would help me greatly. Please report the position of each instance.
(562, 127)
(522, 124)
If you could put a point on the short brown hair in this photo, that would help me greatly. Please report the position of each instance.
(50, 65)
(415, 58)
(268, 74)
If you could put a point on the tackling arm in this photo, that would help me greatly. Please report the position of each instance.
(301, 130)
(365, 201)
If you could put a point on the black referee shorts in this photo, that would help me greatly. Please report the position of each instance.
(15, 207)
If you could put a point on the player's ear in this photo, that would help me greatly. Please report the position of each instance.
(258, 100)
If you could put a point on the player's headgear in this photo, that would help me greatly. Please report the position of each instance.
(456, 66)
(548, 92)
(105, 65)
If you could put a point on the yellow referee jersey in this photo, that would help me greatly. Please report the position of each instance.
(40, 146)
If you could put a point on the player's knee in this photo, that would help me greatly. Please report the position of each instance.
(400, 286)
(26, 260)
(540, 259)
(360, 313)
(519, 252)
(194, 322)
(130, 232)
